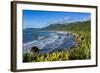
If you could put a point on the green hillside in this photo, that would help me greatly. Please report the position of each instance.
(76, 26)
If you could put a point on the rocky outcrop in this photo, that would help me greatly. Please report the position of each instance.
(34, 49)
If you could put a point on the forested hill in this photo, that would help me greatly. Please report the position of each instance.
(76, 26)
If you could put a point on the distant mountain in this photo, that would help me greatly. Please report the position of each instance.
(31, 28)
(76, 26)
(55, 27)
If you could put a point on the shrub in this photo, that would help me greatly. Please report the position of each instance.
(27, 57)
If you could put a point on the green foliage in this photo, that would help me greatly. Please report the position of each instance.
(55, 56)
(82, 51)
(79, 26)
(27, 57)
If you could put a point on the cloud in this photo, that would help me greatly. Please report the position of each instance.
(86, 18)
(68, 19)
(65, 19)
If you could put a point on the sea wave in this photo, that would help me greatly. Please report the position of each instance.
(40, 43)
(57, 39)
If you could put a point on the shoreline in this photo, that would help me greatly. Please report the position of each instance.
(61, 36)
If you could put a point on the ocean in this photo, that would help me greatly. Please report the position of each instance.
(47, 41)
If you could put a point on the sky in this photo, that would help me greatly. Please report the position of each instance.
(40, 19)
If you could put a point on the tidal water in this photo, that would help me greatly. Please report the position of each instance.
(47, 41)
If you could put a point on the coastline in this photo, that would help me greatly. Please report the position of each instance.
(57, 40)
